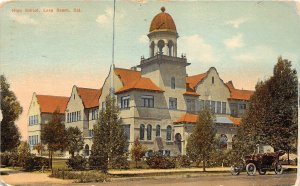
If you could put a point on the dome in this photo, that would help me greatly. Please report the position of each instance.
(163, 21)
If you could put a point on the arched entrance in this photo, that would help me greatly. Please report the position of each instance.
(87, 150)
(178, 142)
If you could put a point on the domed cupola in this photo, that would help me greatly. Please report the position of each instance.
(163, 35)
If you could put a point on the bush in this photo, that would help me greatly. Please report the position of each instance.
(161, 162)
(120, 163)
(35, 163)
(77, 162)
(5, 158)
(80, 176)
(183, 161)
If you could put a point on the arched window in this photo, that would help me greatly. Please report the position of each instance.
(223, 141)
(170, 47)
(142, 131)
(173, 83)
(149, 132)
(161, 45)
(169, 133)
(213, 80)
(178, 142)
(157, 131)
(87, 150)
(152, 49)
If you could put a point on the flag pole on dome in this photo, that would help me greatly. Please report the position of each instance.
(112, 67)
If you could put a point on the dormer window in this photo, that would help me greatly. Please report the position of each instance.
(213, 80)
(173, 84)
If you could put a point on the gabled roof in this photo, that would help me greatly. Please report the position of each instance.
(187, 118)
(49, 104)
(192, 81)
(132, 79)
(90, 97)
(237, 94)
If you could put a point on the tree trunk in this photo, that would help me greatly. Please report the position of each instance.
(204, 162)
(49, 159)
(135, 163)
(288, 153)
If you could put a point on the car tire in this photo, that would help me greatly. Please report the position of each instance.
(251, 169)
(278, 168)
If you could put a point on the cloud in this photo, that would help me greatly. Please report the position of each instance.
(256, 54)
(197, 49)
(236, 22)
(107, 17)
(143, 39)
(234, 42)
(24, 19)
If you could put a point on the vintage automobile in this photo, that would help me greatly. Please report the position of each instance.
(262, 162)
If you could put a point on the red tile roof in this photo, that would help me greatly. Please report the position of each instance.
(187, 118)
(189, 93)
(192, 81)
(90, 97)
(49, 104)
(238, 94)
(234, 120)
(132, 79)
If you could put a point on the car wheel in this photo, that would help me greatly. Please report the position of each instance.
(262, 171)
(278, 168)
(234, 170)
(251, 169)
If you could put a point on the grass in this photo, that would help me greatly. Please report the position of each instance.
(59, 163)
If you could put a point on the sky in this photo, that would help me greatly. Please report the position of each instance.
(49, 52)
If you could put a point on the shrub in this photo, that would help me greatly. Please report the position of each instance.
(183, 161)
(120, 163)
(77, 162)
(161, 162)
(35, 163)
(80, 176)
(5, 158)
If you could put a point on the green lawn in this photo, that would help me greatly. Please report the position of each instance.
(59, 163)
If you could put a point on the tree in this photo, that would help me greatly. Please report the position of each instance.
(75, 140)
(23, 153)
(54, 135)
(39, 147)
(137, 151)
(11, 110)
(201, 142)
(109, 142)
(272, 114)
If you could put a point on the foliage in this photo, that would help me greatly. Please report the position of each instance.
(183, 161)
(201, 142)
(161, 162)
(54, 135)
(11, 110)
(120, 162)
(137, 151)
(39, 147)
(23, 153)
(35, 163)
(109, 142)
(272, 114)
(80, 176)
(75, 140)
(9, 159)
(77, 162)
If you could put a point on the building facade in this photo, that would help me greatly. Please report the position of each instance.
(158, 101)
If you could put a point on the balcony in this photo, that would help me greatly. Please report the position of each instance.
(165, 58)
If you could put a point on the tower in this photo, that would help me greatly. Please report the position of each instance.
(163, 35)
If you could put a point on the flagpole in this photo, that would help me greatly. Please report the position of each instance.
(112, 68)
(298, 145)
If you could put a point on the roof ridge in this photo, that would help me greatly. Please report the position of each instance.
(52, 96)
(88, 88)
(126, 69)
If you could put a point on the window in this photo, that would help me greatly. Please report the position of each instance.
(157, 131)
(219, 107)
(148, 101)
(242, 106)
(223, 107)
(149, 132)
(173, 85)
(201, 105)
(169, 132)
(87, 150)
(213, 80)
(142, 131)
(74, 96)
(173, 103)
(103, 105)
(207, 104)
(161, 45)
(95, 113)
(126, 129)
(223, 141)
(189, 105)
(125, 102)
(213, 106)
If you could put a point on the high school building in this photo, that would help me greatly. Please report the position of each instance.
(158, 101)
